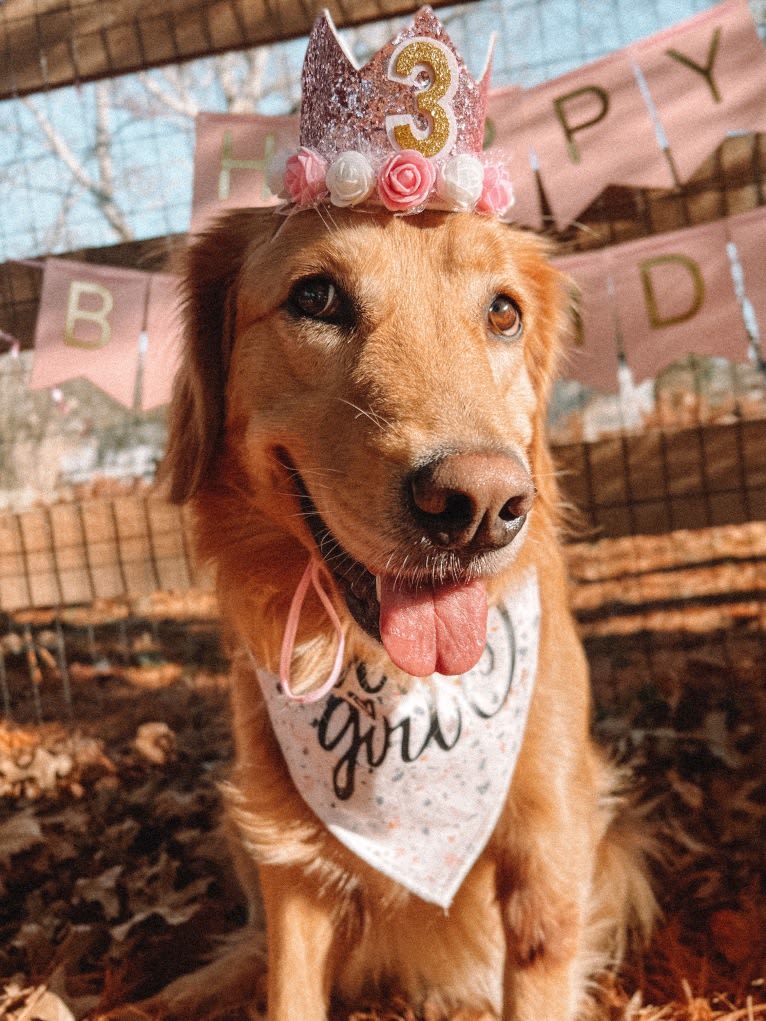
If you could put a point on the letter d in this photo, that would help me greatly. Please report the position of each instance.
(656, 319)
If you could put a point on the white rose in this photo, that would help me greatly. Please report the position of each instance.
(461, 180)
(275, 175)
(350, 179)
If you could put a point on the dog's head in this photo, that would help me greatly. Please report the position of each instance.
(371, 390)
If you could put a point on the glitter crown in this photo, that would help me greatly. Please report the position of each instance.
(406, 130)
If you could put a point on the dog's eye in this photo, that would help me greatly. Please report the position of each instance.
(319, 298)
(504, 317)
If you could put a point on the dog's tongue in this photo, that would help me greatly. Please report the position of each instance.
(441, 629)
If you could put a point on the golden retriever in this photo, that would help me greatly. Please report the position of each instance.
(368, 393)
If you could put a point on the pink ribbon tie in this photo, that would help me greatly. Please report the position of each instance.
(311, 576)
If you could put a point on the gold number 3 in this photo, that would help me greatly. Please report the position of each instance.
(434, 101)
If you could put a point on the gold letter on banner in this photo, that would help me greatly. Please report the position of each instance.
(98, 316)
(229, 163)
(657, 321)
(707, 70)
(569, 129)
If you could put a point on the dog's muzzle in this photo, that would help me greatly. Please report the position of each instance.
(457, 513)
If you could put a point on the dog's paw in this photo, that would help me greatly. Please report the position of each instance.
(540, 927)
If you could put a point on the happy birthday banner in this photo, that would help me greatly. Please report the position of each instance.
(90, 323)
(665, 296)
(644, 117)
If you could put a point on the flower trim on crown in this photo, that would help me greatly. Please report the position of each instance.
(405, 182)
(405, 131)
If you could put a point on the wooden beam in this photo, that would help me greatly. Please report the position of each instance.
(46, 44)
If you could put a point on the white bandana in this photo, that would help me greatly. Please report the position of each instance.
(413, 780)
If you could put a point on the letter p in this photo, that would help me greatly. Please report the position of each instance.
(594, 114)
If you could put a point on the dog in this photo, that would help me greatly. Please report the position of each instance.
(367, 394)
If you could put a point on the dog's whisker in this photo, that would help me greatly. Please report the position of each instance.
(377, 420)
(320, 470)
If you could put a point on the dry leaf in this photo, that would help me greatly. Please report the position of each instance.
(155, 742)
(735, 933)
(19, 833)
(33, 1004)
(102, 889)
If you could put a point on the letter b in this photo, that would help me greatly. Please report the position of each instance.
(96, 316)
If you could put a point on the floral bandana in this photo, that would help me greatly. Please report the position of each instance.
(413, 780)
(405, 131)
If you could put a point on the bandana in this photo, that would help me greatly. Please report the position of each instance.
(413, 778)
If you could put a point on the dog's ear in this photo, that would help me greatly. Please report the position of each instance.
(552, 300)
(543, 350)
(209, 278)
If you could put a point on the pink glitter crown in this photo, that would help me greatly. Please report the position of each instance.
(406, 130)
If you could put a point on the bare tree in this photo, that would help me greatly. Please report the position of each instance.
(101, 184)
(109, 148)
(96, 169)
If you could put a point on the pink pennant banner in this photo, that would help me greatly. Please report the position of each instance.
(589, 129)
(164, 335)
(675, 297)
(231, 159)
(706, 77)
(669, 296)
(88, 326)
(592, 356)
(503, 110)
(748, 232)
(644, 117)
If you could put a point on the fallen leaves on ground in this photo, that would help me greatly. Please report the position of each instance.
(115, 877)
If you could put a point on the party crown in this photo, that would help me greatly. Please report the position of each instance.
(406, 130)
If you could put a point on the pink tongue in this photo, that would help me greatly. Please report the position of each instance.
(429, 630)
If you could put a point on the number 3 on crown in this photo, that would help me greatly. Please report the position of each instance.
(434, 102)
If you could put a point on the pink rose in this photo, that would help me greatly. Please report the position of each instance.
(305, 173)
(405, 180)
(497, 195)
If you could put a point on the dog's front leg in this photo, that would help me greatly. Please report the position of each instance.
(543, 923)
(547, 985)
(543, 901)
(300, 931)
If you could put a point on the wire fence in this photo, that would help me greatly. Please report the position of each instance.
(669, 478)
(106, 588)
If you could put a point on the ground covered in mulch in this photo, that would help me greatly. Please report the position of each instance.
(114, 877)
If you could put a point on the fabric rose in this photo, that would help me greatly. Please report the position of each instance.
(405, 181)
(275, 175)
(305, 173)
(350, 179)
(461, 181)
(497, 196)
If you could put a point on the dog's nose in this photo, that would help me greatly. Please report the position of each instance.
(472, 500)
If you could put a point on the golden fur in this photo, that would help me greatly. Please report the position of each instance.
(263, 393)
